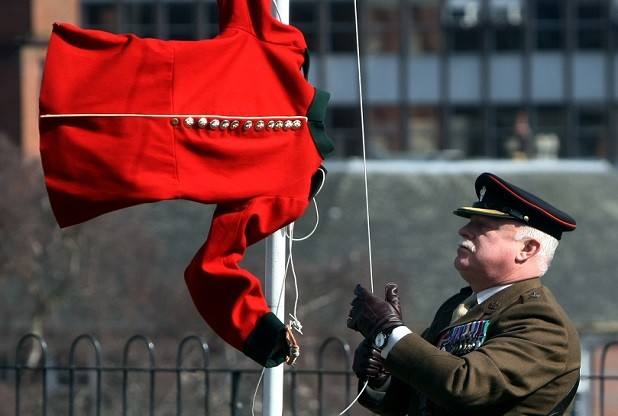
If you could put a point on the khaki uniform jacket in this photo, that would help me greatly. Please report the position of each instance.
(517, 353)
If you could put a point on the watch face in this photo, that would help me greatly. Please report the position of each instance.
(380, 340)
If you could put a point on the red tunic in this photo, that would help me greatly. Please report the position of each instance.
(229, 121)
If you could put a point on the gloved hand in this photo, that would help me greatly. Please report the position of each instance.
(370, 315)
(369, 365)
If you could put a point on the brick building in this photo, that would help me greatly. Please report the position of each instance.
(24, 30)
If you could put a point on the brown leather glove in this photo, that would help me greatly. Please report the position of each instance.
(391, 294)
(369, 365)
(370, 315)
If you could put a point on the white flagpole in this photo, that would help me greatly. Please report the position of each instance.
(272, 395)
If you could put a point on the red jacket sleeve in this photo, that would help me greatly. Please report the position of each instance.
(229, 297)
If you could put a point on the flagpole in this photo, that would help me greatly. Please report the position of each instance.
(272, 394)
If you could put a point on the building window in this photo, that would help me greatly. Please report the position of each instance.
(591, 24)
(212, 19)
(613, 23)
(550, 17)
(507, 17)
(384, 122)
(182, 20)
(466, 131)
(550, 132)
(465, 40)
(305, 16)
(342, 31)
(512, 133)
(462, 19)
(508, 39)
(592, 134)
(423, 131)
(100, 16)
(344, 128)
(383, 27)
(425, 27)
(139, 18)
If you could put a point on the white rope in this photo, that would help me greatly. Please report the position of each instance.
(360, 393)
(362, 116)
(315, 226)
(256, 391)
(294, 322)
(323, 172)
(317, 213)
(360, 93)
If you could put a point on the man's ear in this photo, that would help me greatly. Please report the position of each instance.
(530, 248)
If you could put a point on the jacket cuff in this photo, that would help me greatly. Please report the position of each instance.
(267, 344)
(398, 333)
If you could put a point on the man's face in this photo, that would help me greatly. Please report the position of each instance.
(486, 256)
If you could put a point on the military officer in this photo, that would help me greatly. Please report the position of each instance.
(501, 346)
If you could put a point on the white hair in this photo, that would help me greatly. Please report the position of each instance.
(547, 242)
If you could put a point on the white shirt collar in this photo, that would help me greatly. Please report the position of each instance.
(483, 295)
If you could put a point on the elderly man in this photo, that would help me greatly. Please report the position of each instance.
(501, 346)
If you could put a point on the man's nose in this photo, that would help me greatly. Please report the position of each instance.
(465, 232)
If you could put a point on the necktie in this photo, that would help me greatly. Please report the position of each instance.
(464, 307)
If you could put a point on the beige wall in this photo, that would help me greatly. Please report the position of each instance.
(31, 56)
(45, 12)
(31, 64)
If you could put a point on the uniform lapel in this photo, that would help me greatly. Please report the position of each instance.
(443, 317)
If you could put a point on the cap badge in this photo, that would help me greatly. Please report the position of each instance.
(482, 193)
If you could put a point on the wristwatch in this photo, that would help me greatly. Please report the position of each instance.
(381, 340)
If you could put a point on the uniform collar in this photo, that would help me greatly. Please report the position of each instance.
(483, 295)
(498, 300)
(509, 295)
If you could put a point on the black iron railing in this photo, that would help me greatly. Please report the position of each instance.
(45, 388)
(39, 387)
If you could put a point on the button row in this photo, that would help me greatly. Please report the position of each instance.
(257, 125)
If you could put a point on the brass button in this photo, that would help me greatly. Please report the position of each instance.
(174, 121)
(202, 122)
(189, 121)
